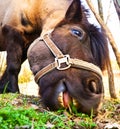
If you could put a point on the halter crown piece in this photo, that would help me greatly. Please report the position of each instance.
(61, 59)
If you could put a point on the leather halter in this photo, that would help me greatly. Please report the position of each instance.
(60, 59)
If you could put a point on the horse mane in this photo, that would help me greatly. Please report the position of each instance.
(99, 46)
(98, 40)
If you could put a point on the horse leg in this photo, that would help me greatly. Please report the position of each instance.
(15, 42)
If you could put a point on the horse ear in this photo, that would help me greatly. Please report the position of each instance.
(74, 12)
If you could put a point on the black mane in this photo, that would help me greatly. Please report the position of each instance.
(99, 46)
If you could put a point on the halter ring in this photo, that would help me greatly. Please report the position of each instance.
(63, 63)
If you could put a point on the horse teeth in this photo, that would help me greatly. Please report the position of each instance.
(60, 98)
(65, 99)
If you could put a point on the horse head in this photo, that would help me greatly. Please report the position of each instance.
(80, 49)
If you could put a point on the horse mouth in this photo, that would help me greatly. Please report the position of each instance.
(65, 99)
(70, 101)
(81, 97)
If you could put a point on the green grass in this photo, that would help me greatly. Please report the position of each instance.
(11, 117)
(25, 112)
(16, 112)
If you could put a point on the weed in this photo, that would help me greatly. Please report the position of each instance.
(86, 121)
(17, 112)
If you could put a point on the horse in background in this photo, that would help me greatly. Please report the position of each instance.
(21, 22)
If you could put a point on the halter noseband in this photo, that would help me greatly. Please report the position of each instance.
(60, 59)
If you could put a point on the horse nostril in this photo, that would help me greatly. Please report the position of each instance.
(92, 86)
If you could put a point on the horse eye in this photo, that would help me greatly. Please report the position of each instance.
(78, 33)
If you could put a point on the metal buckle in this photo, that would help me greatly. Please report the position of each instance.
(63, 60)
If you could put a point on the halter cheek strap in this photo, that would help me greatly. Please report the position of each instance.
(61, 59)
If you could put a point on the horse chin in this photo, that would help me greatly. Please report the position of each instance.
(63, 98)
(72, 104)
(59, 97)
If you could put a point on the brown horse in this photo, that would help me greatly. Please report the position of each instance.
(21, 22)
(78, 46)
(68, 60)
